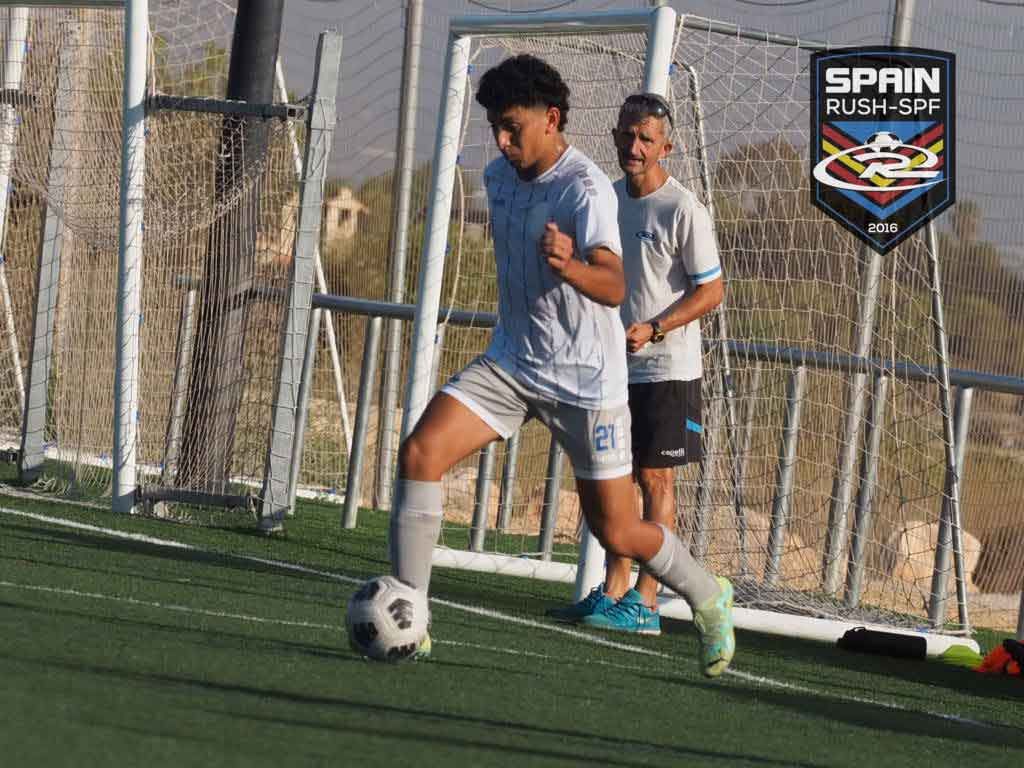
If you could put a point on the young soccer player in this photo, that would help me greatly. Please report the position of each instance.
(558, 352)
(673, 278)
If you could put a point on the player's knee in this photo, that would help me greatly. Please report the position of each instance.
(414, 459)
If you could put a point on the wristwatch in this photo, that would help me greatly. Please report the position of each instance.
(657, 335)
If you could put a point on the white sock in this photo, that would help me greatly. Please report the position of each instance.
(676, 568)
(414, 531)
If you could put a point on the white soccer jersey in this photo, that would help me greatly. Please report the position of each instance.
(550, 336)
(668, 249)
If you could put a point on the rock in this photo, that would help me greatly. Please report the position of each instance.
(910, 553)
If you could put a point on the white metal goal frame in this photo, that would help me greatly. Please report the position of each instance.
(660, 25)
(131, 476)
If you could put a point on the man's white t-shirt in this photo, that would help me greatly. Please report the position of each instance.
(550, 336)
(668, 249)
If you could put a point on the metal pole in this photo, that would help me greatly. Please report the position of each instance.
(356, 458)
(435, 364)
(321, 285)
(14, 59)
(749, 418)
(129, 261)
(302, 412)
(401, 205)
(216, 384)
(902, 19)
(856, 393)
(785, 473)
(950, 536)
(866, 494)
(706, 475)
(484, 480)
(37, 384)
(435, 236)
(179, 389)
(508, 482)
(549, 511)
(591, 571)
(944, 538)
(727, 385)
(275, 496)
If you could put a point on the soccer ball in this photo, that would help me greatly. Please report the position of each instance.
(387, 619)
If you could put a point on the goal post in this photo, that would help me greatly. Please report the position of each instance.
(129, 255)
(108, 335)
(657, 23)
(779, 354)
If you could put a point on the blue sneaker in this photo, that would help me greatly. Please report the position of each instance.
(595, 602)
(627, 615)
(713, 620)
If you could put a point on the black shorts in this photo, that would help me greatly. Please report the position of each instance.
(667, 427)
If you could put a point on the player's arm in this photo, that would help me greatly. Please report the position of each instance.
(688, 308)
(698, 252)
(599, 278)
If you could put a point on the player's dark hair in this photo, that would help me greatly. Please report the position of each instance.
(524, 81)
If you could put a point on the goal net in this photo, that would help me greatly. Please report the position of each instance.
(218, 230)
(824, 483)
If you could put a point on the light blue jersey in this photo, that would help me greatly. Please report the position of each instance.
(549, 336)
(669, 249)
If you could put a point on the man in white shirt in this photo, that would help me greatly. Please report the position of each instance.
(673, 278)
(558, 352)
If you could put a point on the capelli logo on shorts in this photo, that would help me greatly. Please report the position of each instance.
(643, 234)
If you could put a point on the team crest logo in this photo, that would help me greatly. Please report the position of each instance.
(882, 150)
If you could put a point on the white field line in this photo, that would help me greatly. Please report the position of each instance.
(164, 606)
(760, 680)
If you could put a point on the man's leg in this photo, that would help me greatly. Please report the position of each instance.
(611, 515)
(606, 505)
(447, 432)
(619, 572)
(657, 487)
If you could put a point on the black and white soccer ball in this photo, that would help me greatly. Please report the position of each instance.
(386, 619)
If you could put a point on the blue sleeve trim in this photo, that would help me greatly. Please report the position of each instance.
(693, 426)
(708, 275)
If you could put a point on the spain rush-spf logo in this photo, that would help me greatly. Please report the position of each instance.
(882, 140)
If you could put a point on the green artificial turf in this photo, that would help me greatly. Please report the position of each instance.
(134, 652)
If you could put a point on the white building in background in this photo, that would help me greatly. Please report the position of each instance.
(340, 222)
(341, 215)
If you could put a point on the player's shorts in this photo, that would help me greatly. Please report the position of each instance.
(597, 442)
(667, 429)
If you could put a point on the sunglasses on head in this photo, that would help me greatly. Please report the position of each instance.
(650, 103)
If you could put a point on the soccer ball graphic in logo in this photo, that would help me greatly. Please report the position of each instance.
(883, 141)
(387, 619)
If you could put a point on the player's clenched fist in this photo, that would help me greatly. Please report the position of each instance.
(557, 247)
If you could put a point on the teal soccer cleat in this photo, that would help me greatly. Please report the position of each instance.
(627, 615)
(595, 602)
(714, 625)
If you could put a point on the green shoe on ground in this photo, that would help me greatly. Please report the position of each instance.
(714, 625)
(423, 652)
